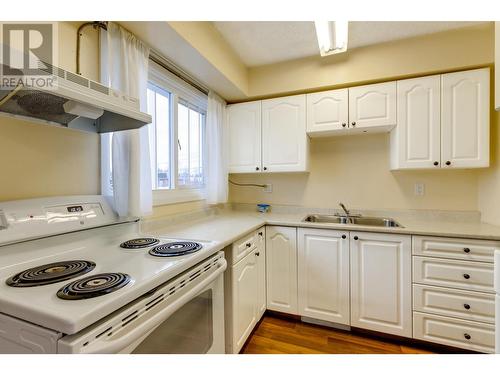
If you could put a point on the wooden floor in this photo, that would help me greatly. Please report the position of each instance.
(278, 335)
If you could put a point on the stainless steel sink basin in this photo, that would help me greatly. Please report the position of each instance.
(356, 220)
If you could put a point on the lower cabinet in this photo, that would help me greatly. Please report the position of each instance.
(323, 274)
(281, 269)
(381, 282)
(245, 289)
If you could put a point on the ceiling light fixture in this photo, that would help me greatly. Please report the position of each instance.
(332, 36)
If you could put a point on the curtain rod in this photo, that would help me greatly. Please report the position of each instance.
(165, 63)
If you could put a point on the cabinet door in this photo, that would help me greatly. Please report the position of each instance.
(244, 137)
(281, 269)
(327, 112)
(465, 119)
(261, 272)
(244, 297)
(323, 274)
(416, 140)
(373, 106)
(284, 138)
(381, 282)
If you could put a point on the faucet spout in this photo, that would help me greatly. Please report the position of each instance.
(347, 212)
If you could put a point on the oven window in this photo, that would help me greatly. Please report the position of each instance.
(188, 331)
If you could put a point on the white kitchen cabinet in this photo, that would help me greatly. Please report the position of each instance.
(465, 119)
(244, 296)
(373, 106)
(281, 269)
(285, 145)
(416, 140)
(323, 274)
(497, 64)
(327, 112)
(260, 252)
(381, 282)
(244, 288)
(244, 137)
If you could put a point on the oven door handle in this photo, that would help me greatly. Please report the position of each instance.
(116, 345)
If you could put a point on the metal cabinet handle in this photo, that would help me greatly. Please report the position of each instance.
(344, 124)
(261, 234)
(344, 236)
(467, 336)
(466, 250)
(265, 168)
(249, 244)
(466, 306)
(257, 168)
(466, 276)
(356, 238)
(257, 253)
(448, 162)
(436, 163)
(353, 123)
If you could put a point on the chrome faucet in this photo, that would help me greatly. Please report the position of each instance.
(344, 208)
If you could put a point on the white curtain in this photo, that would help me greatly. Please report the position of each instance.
(216, 167)
(124, 67)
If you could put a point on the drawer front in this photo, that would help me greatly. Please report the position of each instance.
(459, 274)
(454, 332)
(456, 303)
(243, 246)
(455, 248)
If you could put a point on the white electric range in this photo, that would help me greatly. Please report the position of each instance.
(75, 278)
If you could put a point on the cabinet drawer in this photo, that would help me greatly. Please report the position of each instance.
(455, 248)
(475, 306)
(243, 246)
(454, 332)
(453, 273)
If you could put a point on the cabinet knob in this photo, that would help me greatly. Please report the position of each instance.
(356, 238)
(353, 123)
(265, 168)
(344, 124)
(448, 162)
(466, 306)
(261, 234)
(257, 253)
(466, 276)
(436, 163)
(257, 168)
(248, 244)
(467, 336)
(344, 236)
(466, 250)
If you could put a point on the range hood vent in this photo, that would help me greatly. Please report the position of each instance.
(74, 102)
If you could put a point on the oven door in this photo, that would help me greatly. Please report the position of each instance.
(185, 315)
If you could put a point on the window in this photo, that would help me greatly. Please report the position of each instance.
(177, 138)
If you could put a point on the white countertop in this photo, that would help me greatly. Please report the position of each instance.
(228, 226)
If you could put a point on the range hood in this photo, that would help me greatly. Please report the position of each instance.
(74, 102)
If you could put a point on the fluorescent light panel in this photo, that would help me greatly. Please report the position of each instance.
(332, 36)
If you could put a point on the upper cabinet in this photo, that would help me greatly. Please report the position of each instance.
(362, 109)
(497, 64)
(373, 106)
(416, 141)
(244, 137)
(443, 122)
(465, 119)
(284, 138)
(327, 112)
(268, 136)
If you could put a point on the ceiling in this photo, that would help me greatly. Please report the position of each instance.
(260, 43)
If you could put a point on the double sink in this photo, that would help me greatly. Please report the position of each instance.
(354, 220)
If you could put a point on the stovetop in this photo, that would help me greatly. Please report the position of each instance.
(129, 272)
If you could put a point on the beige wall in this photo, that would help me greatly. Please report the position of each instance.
(355, 171)
(445, 51)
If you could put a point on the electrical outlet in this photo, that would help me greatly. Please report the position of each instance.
(419, 189)
(268, 188)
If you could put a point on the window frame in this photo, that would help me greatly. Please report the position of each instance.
(179, 91)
